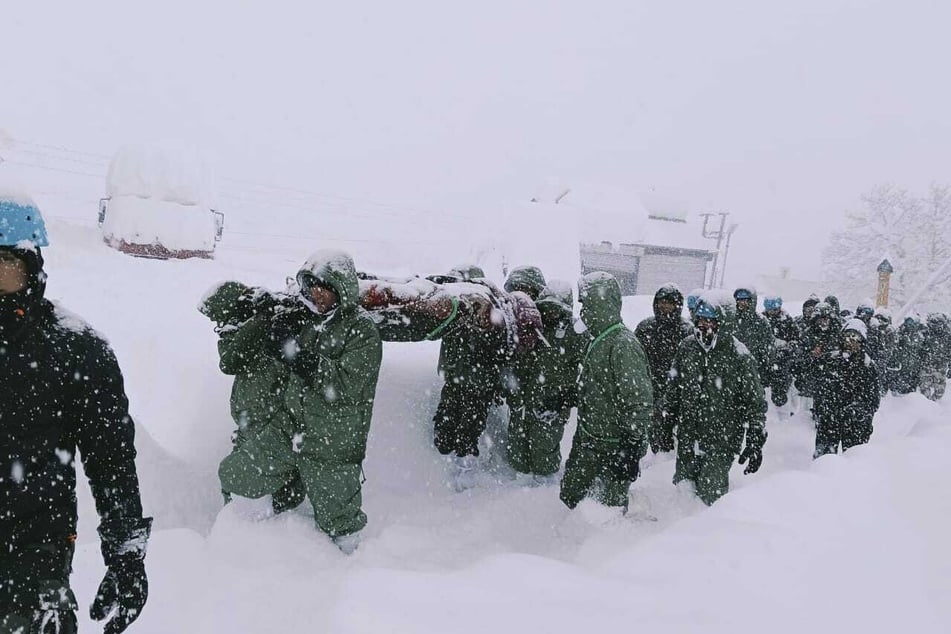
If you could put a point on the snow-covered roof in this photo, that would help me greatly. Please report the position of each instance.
(166, 171)
(644, 218)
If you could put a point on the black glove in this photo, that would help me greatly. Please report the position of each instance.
(755, 457)
(125, 587)
(284, 327)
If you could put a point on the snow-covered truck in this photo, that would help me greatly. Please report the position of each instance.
(160, 203)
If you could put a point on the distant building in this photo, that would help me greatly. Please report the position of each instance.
(667, 249)
(794, 291)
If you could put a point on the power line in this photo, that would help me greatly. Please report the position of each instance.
(55, 169)
(328, 238)
(53, 157)
(102, 161)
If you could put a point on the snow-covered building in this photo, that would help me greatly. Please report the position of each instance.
(160, 203)
(645, 249)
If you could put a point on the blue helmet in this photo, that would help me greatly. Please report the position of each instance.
(706, 311)
(21, 221)
(692, 301)
(743, 293)
(772, 303)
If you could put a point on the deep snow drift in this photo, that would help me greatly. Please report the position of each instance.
(853, 543)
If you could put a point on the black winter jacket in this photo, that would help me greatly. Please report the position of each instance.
(61, 390)
(847, 388)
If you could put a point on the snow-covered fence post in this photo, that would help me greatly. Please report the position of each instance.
(885, 271)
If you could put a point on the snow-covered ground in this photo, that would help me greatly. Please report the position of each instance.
(846, 544)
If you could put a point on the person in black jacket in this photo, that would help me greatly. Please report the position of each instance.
(61, 391)
(847, 393)
(822, 336)
(660, 337)
(785, 348)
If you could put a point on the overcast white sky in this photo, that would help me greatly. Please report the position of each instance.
(780, 112)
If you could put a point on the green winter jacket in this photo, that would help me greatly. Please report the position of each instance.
(714, 397)
(615, 399)
(547, 376)
(336, 361)
(755, 332)
(259, 380)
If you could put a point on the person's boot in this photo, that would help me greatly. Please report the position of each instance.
(289, 496)
(347, 544)
(464, 472)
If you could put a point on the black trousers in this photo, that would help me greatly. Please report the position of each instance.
(460, 417)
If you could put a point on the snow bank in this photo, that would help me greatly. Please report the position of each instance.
(846, 543)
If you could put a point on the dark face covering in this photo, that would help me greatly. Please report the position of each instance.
(17, 308)
(706, 332)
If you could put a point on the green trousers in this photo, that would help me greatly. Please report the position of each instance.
(35, 596)
(534, 440)
(589, 472)
(267, 463)
(709, 471)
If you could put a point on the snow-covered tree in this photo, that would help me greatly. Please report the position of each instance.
(913, 232)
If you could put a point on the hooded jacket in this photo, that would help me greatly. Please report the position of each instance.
(335, 360)
(548, 375)
(715, 397)
(755, 332)
(528, 279)
(61, 392)
(847, 387)
(815, 348)
(937, 344)
(660, 336)
(243, 351)
(615, 398)
(909, 356)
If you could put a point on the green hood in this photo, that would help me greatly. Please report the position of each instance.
(556, 302)
(227, 303)
(335, 269)
(600, 297)
(528, 279)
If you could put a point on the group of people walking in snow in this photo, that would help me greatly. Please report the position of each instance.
(306, 362)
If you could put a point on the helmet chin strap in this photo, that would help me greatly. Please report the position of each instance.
(708, 346)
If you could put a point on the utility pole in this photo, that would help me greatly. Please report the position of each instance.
(726, 251)
(718, 235)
